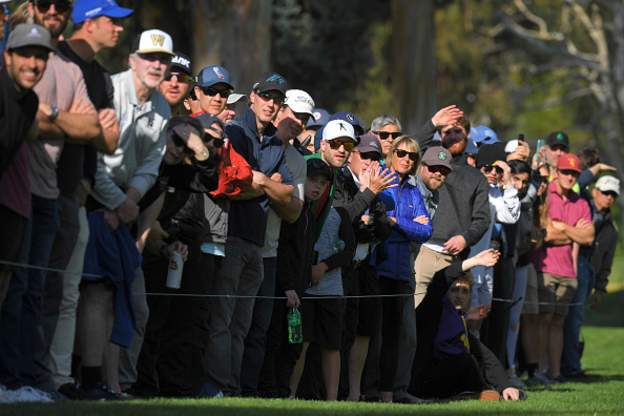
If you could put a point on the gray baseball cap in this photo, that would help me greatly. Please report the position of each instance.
(30, 34)
(437, 156)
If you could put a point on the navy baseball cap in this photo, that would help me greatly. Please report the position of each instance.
(90, 9)
(321, 117)
(350, 118)
(212, 75)
(273, 82)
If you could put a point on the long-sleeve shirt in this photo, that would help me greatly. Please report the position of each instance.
(141, 148)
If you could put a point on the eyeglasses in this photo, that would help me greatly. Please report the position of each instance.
(348, 144)
(211, 91)
(569, 172)
(180, 77)
(383, 135)
(488, 169)
(374, 156)
(441, 169)
(402, 153)
(609, 193)
(61, 6)
(276, 96)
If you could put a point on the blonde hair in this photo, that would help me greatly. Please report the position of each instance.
(20, 15)
(411, 144)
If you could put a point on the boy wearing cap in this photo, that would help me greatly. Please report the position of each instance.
(177, 83)
(600, 256)
(18, 106)
(568, 220)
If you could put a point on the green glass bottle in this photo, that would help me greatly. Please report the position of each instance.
(295, 335)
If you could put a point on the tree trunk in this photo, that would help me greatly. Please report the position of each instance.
(235, 34)
(414, 61)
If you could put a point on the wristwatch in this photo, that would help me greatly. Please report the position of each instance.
(54, 113)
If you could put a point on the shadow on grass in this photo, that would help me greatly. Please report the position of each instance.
(609, 313)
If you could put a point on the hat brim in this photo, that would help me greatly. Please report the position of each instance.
(210, 84)
(155, 50)
(28, 44)
(116, 12)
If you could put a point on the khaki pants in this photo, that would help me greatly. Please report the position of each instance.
(427, 264)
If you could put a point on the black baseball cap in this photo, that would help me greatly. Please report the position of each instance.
(558, 138)
(273, 82)
(318, 167)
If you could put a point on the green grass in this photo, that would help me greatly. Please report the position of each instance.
(601, 395)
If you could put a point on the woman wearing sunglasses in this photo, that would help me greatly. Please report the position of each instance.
(393, 258)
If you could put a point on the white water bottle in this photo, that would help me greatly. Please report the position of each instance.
(174, 275)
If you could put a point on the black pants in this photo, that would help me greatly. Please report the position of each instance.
(453, 375)
(11, 237)
(172, 359)
(392, 314)
(494, 331)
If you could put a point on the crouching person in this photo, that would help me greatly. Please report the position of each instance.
(450, 360)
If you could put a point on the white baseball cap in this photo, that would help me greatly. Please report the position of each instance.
(233, 98)
(337, 129)
(511, 146)
(608, 183)
(300, 101)
(154, 40)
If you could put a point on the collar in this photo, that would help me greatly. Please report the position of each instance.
(248, 120)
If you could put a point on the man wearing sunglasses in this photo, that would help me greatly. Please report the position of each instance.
(94, 31)
(124, 177)
(601, 198)
(177, 83)
(212, 88)
(463, 213)
(568, 221)
(255, 138)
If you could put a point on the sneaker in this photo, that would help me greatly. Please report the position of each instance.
(514, 380)
(100, 392)
(405, 397)
(539, 379)
(558, 380)
(208, 391)
(71, 391)
(25, 394)
(489, 395)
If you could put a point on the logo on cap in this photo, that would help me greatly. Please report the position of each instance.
(218, 72)
(442, 156)
(350, 118)
(181, 61)
(559, 136)
(572, 161)
(342, 127)
(277, 78)
(158, 40)
(317, 115)
(34, 33)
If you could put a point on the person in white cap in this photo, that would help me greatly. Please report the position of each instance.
(124, 177)
(337, 143)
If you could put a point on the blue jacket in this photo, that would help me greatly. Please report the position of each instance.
(393, 258)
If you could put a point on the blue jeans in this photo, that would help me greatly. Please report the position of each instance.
(21, 312)
(571, 357)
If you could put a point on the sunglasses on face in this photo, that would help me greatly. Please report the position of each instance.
(61, 6)
(567, 172)
(348, 144)
(383, 135)
(211, 91)
(180, 77)
(374, 156)
(488, 169)
(276, 96)
(441, 169)
(303, 117)
(609, 193)
(163, 58)
(402, 153)
(559, 147)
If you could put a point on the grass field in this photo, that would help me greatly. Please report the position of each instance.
(601, 394)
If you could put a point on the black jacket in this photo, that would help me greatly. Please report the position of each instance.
(464, 207)
(604, 251)
(428, 320)
(17, 115)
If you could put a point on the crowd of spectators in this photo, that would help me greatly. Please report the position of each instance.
(162, 235)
